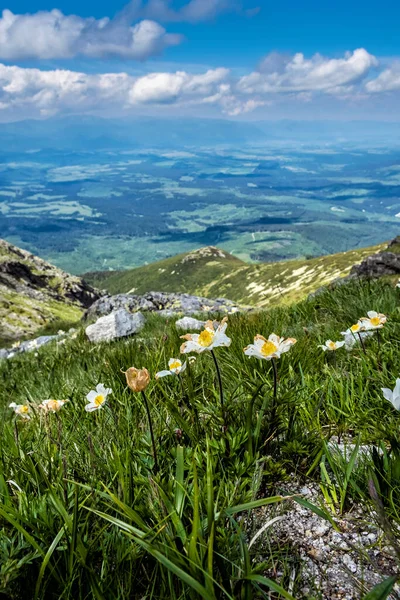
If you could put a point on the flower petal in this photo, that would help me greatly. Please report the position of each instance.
(387, 394)
(91, 395)
(163, 374)
(396, 391)
(220, 339)
(191, 346)
(252, 350)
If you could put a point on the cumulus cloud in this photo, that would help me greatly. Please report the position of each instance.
(135, 32)
(280, 74)
(162, 88)
(387, 81)
(51, 34)
(38, 92)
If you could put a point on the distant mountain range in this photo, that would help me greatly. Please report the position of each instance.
(89, 132)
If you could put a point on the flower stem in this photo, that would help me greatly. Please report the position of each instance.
(221, 391)
(275, 370)
(362, 343)
(274, 397)
(151, 432)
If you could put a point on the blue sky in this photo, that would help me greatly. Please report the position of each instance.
(226, 58)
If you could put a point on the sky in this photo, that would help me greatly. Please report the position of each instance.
(235, 59)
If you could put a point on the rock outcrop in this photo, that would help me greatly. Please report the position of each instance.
(117, 324)
(380, 264)
(162, 302)
(34, 293)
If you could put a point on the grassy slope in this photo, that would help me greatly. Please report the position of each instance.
(19, 312)
(32, 314)
(61, 469)
(262, 284)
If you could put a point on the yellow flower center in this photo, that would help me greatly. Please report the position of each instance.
(332, 345)
(24, 409)
(268, 348)
(355, 328)
(175, 365)
(53, 405)
(98, 401)
(375, 321)
(205, 338)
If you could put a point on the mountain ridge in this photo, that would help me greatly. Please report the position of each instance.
(212, 272)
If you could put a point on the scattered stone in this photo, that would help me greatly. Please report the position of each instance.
(167, 304)
(343, 564)
(119, 323)
(189, 324)
(28, 346)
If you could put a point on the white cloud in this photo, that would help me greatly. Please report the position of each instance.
(279, 74)
(52, 34)
(133, 33)
(387, 81)
(37, 92)
(168, 87)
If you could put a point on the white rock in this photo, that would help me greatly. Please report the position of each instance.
(350, 564)
(119, 323)
(321, 529)
(189, 324)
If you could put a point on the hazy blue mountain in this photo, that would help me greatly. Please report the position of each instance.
(89, 132)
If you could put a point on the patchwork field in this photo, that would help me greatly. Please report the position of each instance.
(114, 209)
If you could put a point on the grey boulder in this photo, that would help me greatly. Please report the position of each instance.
(189, 324)
(117, 324)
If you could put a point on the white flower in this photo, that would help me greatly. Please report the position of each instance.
(330, 346)
(20, 409)
(175, 368)
(208, 339)
(351, 339)
(398, 284)
(393, 397)
(269, 348)
(52, 405)
(374, 321)
(356, 328)
(96, 398)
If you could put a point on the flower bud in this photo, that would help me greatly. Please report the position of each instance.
(137, 379)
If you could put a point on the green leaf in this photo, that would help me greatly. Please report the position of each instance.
(179, 475)
(255, 504)
(382, 590)
(46, 560)
(315, 509)
(271, 584)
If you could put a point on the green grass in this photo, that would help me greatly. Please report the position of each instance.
(262, 284)
(83, 514)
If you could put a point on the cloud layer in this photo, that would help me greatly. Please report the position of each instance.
(279, 79)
